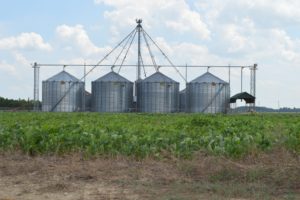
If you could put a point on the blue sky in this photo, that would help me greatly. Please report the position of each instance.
(202, 32)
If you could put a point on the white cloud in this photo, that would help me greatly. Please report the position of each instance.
(282, 38)
(234, 37)
(210, 9)
(175, 14)
(14, 67)
(20, 58)
(7, 68)
(285, 46)
(189, 21)
(75, 37)
(192, 54)
(276, 46)
(28, 41)
(113, 3)
(288, 8)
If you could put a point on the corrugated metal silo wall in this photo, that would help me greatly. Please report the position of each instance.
(112, 96)
(208, 97)
(53, 91)
(157, 97)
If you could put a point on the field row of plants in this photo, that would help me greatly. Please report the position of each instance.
(143, 135)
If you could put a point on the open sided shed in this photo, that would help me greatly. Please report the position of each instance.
(248, 98)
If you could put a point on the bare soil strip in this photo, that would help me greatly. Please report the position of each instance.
(274, 175)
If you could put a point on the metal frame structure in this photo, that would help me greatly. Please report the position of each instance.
(253, 83)
(128, 40)
(36, 81)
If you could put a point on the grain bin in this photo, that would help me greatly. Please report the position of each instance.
(112, 93)
(62, 93)
(157, 94)
(208, 94)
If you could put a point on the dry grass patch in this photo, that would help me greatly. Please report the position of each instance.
(273, 175)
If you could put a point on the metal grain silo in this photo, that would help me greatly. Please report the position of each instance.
(182, 100)
(158, 94)
(112, 93)
(208, 94)
(62, 93)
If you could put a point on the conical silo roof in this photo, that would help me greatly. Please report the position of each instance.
(208, 78)
(158, 77)
(63, 76)
(112, 77)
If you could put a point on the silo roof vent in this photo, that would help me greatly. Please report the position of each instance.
(63, 76)
(159, 77)
(208, 78)
(112, 77)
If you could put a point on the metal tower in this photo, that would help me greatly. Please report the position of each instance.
(36, 87)
(253, 83)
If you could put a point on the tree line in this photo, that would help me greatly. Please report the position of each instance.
(20, 104)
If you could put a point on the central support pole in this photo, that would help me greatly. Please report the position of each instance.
(138, 70)
(139, 30)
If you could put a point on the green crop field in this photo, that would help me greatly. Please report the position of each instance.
(148, 135)
(149, 156)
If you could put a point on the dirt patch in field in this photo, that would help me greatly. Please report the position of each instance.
(274, 175)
